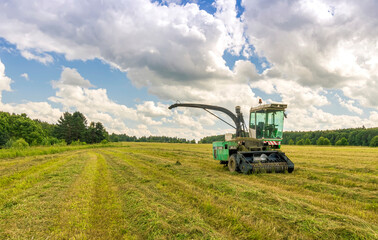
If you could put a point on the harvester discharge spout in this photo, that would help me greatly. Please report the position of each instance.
(237, 119)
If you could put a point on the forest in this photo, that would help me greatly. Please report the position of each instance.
(341, 137)
(162, 139)
(351, 136)
(19, 129)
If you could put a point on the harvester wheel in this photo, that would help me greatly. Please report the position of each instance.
(233, 164)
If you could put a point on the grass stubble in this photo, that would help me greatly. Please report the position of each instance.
(138, 191)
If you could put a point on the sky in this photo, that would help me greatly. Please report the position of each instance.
(124, 62)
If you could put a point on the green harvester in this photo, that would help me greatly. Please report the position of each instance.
(254, 150)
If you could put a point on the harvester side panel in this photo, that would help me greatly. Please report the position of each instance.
(221, 150)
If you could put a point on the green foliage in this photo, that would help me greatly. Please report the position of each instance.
(9, 143)
(307, 142)
(355, 136)
(20, 144)
(323, 141)
(320, 141)
(4, 128)
(300, 142)
(162, 139)
(76, 143)
(49, 141)
(20, 126)
(291, 142)
(71, 127)
(61, 142)
(104, 141)
(342, 142)
(374, 142)
(211, 139)
(96, 133)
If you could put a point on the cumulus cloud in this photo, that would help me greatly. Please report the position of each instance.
(227, 13)
(292, 93)
(41, 57)
(35, 110)
(349, 104)
(150, 109)
(73, 94)
(5, 81)
(176, 53)
(313, 118)
(155, 44)
(70, 77)
(328, 44)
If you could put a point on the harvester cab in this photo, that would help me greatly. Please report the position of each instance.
(256, 150)
(266, 123)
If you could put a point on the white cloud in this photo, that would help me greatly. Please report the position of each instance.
(176, 53)
(349, 104)
(35, 110)
(329, 44)
(373, 119)
(150, 109)
(292, 93)
(157, 45)
(70, 77)
(5, 81)
(227, 13)
(365, 91)
(43, 58)
(25, 75)
(312, 118)
(74, 95)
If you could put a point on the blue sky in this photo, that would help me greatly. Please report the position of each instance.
(124, 62)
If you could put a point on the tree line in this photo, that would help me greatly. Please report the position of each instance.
(19, 129)
(210, 139)
(341, 137)
(162, 139)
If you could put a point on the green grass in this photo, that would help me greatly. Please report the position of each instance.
(43, 150)
(141, 192)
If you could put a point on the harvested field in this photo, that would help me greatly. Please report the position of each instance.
(165, 191)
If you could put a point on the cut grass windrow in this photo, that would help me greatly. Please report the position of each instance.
(176, 191)
(29, 212)
(271, 200)
(91, 209)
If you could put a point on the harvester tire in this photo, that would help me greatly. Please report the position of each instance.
(233, 165)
